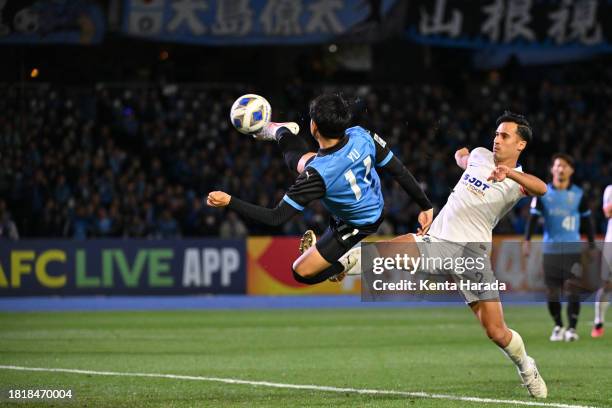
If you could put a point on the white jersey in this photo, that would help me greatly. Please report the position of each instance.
(607, 199)
(476, 205)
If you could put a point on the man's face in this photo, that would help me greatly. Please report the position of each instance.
(561, 170)
(507, 143)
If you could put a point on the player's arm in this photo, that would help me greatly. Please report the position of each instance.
(607, 202)
(308, 186)
(461, 157)
(535, 211)
(589, 224)
(386, 160)
(531, 184)
(607, 210)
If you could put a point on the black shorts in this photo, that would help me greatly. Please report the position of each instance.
(339, 237)
(561, 267)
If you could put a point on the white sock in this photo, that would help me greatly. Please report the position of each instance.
(601, 303)
(515, 350)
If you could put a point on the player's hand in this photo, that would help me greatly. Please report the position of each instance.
(526, 248)
(425, 219)
(464, 151)
(499, 173)
(218, 199)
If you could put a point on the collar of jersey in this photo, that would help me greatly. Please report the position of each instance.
(335, 148)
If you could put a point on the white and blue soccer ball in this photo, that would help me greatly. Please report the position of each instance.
(250, 113)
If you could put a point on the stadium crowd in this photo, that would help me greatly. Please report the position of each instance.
(135, 161)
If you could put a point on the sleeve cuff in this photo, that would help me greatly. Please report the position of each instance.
(533, 211)
(292, 203)
(385, 160)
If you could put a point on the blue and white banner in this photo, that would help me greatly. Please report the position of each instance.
(51, 22)
(243, 22)
(523, 25)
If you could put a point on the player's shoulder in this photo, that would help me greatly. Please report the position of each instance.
(358, 132)
(576, 189)
(481, 154)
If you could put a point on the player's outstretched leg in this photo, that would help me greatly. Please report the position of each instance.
(490, 315)
(294, 148)
(268, 132)
(601, 303)
(311, 268)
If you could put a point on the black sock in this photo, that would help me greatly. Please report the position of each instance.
(292, 146)
(555, 311)
(322, 276)
(573, 310)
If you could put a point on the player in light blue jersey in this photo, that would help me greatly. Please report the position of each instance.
(562, 208)
(343, 175)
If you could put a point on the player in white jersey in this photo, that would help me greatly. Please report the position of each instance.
(490, 186)
(601, 300)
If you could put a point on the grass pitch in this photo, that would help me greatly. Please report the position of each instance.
(436, 350)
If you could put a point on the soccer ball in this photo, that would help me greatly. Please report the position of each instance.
(250, 113)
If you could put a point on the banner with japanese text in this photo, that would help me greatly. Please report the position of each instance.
(51, 22)
(514, 24)
(242, 22)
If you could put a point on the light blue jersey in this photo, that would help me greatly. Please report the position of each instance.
(562, 210)
(352, 186)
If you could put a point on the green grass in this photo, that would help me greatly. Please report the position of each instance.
(438, 350)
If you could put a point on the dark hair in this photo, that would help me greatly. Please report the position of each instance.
(332, 114)
(523, 128)
(563, 156)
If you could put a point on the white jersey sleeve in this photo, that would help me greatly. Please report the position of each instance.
(607, 199)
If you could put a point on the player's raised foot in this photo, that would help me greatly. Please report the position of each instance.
(308, 239)
(533, 381)
(557, 333)
(268, 132)
(570, 335)
(351, 262)
(597, 331)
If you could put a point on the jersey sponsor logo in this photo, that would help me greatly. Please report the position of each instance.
(475, 182)
(474, 185)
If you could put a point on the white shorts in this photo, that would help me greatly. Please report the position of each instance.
(478, 273)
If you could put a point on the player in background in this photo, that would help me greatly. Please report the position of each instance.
(562, 207)
(343, 175)
(601, 299)
(492, 183)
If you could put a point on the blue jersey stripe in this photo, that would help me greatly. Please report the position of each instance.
(385, 160)
(293, 203)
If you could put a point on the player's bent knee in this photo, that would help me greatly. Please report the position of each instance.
(300, 270)
(301, 279)
(496, 333)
